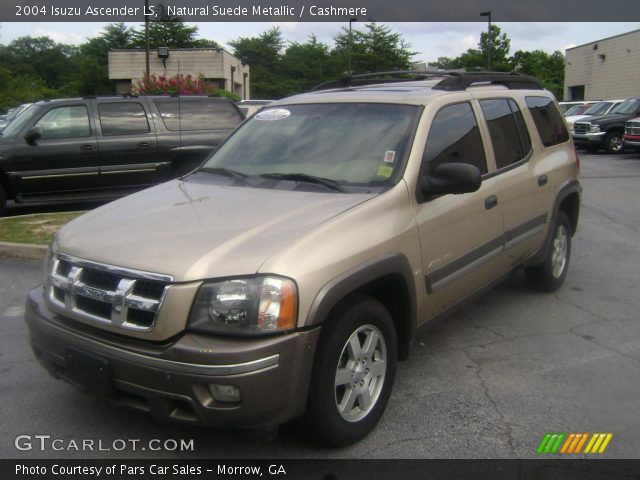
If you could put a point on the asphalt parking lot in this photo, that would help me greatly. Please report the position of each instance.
(488, 382)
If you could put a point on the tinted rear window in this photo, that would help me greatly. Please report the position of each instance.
(201, 114)
(549, 122)
(123, 118)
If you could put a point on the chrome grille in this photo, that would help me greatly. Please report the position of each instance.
(632, 128)
(581, 127)
(128, 299)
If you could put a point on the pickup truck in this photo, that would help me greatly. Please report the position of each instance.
(99, 148)
(606, 131)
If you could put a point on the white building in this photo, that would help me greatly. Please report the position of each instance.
(604, 69)
(219, 68)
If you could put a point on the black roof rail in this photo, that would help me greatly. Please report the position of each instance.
(454, 79)
(515, 81)
(376, 77)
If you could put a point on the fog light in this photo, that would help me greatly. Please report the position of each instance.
(225, 393)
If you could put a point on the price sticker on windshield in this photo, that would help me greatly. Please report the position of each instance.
(272, 114)
(389, 156)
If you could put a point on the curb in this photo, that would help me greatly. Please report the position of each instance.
(24, 251)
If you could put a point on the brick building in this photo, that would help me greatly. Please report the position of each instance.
(219, 68)
(604, 69)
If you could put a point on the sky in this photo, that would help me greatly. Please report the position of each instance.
(429, 40)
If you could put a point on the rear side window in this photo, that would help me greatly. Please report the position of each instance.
(454, 137)
(122, 118)
(549, 123)
(506, 134)
(201, 114)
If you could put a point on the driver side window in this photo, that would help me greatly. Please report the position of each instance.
(454, 137)
(65, 122)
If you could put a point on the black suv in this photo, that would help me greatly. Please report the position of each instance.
(606, 131)
(107, 147)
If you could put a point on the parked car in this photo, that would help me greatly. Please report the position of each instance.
(600, 108)
(578, 109)
(564, 106)
(606, 131)
(12, 115)
(631, 137)
(290, 273)
(106, 147)
(251, 107)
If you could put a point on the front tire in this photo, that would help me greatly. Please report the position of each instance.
(549, 275)
(353, 372)
(613, 143)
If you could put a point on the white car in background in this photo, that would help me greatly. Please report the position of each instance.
(251, 107)
(600, 108)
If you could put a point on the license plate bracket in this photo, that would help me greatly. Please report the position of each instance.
(89, 372)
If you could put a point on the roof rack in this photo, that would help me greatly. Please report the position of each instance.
(512, 80)
(454, 79)
(373, 78)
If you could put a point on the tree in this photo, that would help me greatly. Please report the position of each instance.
(307, 64)
(166, 31)
(548, 68)
(498, 44)
(264, 55)
(476, 58)
(374, 50)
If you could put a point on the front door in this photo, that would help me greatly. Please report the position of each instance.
(63, 160)
(461, 235)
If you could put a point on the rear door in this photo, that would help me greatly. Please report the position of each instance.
(127, 145)
(190, 128)
(524, 181)
(64, 159)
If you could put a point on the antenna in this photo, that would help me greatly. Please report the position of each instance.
(179, 113)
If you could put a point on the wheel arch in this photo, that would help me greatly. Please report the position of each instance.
(4, 183)
(388, 280)
(568, 201)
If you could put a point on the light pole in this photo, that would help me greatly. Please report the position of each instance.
(146, 36)
(488, 15)
(351, 20)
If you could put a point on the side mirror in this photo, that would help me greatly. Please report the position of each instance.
(33, 135)
(452, 178)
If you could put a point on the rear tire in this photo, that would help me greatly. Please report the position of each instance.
(549, 275)
(613, 143)
(353, 373)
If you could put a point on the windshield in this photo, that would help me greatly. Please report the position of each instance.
(16, 125)
(628, 106)
(347, 143)
(599, 108)
(572, 110)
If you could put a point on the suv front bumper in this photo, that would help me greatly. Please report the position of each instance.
(171, 381)
(589, 139)
(631, 140)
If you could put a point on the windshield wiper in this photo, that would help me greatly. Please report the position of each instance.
(303, 177)
(227, 172)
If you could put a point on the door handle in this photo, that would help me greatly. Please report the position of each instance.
(88, 146)
(144, 144)
(491, 202)
(542, 180)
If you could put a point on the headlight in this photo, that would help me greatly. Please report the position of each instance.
(47, 265)
(594, 129)
(245, 306)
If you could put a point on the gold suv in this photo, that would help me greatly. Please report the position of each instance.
(290, 273)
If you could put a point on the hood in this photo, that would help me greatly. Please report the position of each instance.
(611, 118)
(197, 229)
